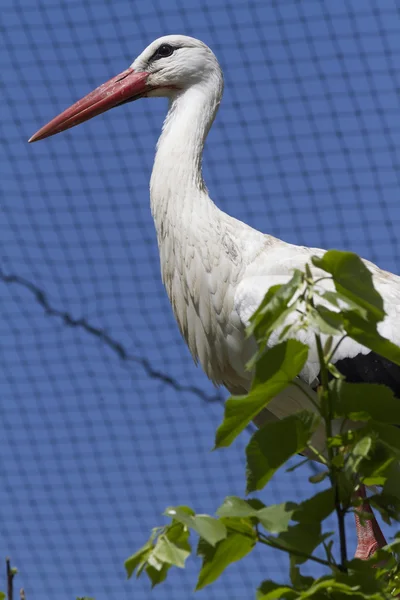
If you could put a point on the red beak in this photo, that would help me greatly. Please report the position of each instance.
(125, 87)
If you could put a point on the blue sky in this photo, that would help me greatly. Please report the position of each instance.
(305, 147)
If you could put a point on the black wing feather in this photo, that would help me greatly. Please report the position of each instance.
(371, 368)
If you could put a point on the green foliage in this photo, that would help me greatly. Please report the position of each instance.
(353, 281)
(275, 308)
(273, 518)
(275, 369)
(272, 445)
(358, 401)
(216, 558)
(332, 299)
(167, 546)
(209, 529)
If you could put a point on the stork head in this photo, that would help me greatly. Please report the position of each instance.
(175, 62)
(167, 67)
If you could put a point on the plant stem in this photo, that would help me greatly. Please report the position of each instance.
(10, 577)
(271, 542)
(342, 530)
(318, 454)
(340, 511)
(314, 283)
(335, 349)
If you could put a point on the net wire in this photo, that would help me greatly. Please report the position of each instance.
(105, 418)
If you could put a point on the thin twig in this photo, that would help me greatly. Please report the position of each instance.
(267, 541)
(340, 511)
(316, 282)
(336, 347)
(318, 454)
(10, 577)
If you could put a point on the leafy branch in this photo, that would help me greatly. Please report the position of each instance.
(350, 428)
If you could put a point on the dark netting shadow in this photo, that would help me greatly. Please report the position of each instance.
(105, 419)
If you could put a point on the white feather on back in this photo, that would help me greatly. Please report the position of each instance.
(216, 269)
(278, 267)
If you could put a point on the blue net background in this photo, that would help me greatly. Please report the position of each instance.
(105, 419)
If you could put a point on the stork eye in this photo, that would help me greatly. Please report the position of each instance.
(164, 50)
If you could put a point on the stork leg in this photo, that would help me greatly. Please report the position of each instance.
(369, 535)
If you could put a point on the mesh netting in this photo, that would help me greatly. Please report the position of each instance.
(105, 419)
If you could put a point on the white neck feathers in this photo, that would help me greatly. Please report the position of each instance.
(177, 183)
(202, 249)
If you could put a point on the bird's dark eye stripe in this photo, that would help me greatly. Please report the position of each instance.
(163, 51)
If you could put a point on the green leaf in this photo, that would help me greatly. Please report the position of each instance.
(272, 445)
(363, 447)
(2, 596)
(180, 513)
(298, 465)
(349, 437)
(156, 557)
(381, 468)
(299, 581)
(302, 538)
(365, 333)
(375, 472)
(318, 477)
(338, 461)
(388, 435)
(269, 590)
(242, 525)
(317, 508)
(276, 518)
(326, 321)
(275, 307)
(274, 372)
(335, 589)
(388, 506)
(359, 452)
(328, 551)
(172, 547)
(157, 576)
(210, 529)
(352, 279)
(273, 518)
(140, 557)
(168, 552)
(332, 297)
(217, 558)
(392, 483)
(236, 507)
(362, 579)
(363, 401)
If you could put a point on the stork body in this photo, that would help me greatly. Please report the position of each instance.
(216, 269)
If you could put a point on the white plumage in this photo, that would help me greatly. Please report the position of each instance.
(216, 269)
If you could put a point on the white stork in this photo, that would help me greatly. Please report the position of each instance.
(216, 269)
